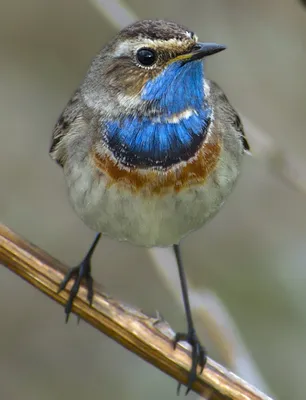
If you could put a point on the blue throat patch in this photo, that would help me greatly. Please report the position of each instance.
(164, 140)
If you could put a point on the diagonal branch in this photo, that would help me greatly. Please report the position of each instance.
(148, 337)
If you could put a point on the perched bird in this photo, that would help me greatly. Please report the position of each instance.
(149, 147)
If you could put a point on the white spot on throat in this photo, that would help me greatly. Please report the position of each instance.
(177, 118)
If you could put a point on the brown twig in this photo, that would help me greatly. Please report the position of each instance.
(148, 337)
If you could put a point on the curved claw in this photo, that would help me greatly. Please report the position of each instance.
(198, 356)
(79, 273)
(70, 274)
(89, 284)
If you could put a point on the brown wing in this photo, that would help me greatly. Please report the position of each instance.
(72, 110)
(238, 125)
(223, 103)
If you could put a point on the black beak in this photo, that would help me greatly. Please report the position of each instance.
(201, 50)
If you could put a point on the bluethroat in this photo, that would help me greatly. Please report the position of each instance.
(149, 147)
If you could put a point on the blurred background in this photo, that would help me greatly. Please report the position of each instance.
(251, 257)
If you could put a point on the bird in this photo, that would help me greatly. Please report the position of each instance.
(150, 149)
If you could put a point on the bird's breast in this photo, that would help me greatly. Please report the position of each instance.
(152, 207)
(189, 173)
(160, 141)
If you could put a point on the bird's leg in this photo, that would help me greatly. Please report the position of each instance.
(80, 272)
(198, 354)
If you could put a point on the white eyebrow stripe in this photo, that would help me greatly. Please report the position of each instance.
(125, 47)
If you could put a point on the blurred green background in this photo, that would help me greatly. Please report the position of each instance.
(252, 255)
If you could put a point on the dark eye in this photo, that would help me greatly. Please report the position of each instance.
(146, 57)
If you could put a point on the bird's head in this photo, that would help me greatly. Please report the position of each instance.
(151, 64)
(147, 86)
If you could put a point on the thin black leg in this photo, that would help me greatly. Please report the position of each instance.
(80, 272)
(198, 354)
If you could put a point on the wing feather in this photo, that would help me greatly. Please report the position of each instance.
(65, 122)
(231, 114)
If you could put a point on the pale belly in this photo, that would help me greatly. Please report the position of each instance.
(156, 220)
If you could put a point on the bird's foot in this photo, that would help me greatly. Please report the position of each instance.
(79, 273)
(198, 356)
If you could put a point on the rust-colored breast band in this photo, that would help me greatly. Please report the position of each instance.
(176, 178)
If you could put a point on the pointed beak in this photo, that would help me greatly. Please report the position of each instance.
(202, 50)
